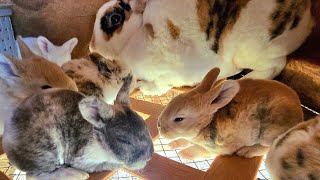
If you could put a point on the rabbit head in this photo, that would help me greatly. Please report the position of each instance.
(98, 76)
(25, 77)
(119, 128)
(295, 154)
(57, 54)
(188, 113)
(116, 21)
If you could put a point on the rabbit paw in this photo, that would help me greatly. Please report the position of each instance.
(149, 88)
(252, 151)
(194, 152)
(179, 143)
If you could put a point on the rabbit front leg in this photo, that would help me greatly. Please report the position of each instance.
(252, 151)
(151, 88)
(269, 70)
(61, 174)
(179, 143)
(194, 152)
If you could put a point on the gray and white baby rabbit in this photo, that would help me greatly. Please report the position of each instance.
(98, 76)
(227, 117)
(22, 78)
(296, 153)
(61, 134)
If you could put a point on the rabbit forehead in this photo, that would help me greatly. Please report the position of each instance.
(42, 71)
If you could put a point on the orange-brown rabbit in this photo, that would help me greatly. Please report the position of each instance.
(228, 116)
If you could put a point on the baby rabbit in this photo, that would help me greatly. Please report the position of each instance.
(228, 116)
(98, 76)
(61, 134)
(41, 46)
(22, 78)
(296, 153)
(175, 42)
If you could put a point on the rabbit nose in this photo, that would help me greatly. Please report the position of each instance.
(158, 125)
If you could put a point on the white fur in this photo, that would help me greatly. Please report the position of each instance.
(163, 63)
(41, 46)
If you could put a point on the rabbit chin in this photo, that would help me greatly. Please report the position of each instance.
(137, 165)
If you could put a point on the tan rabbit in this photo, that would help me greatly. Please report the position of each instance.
(22, 78)
(296, 153)
(229, 117)
(98, 76)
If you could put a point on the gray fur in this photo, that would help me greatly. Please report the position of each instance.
(59, 128)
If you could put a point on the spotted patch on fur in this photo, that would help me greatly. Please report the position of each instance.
(285, 164)
(149, 29)
(300, 157)
(287, 16)
(90, 89)
(174, 30)
(217, 18)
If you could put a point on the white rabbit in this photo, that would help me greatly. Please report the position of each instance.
(176, 42)
(41, 46)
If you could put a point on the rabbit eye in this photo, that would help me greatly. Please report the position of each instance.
(46, 87)
(115, 19)
(178, 119)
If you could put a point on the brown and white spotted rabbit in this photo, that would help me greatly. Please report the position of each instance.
(229, 117)
(296, 153)
(98, 76)
(176, 42)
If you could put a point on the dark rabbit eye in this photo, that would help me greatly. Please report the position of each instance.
(178, 119)
(115, 19)
(123, 141)
(46, 87)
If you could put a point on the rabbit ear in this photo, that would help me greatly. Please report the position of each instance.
(95, 111)
(101, 63)
(69, 45)
(207, 81)
(10, 67)
(45, 45)
(221, 94)
(24, 49)
(123, 94)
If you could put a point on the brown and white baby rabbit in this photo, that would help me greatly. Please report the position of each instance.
(58, 134)
(22, 78)
(98, 76)
(229, 117)
(296, 153)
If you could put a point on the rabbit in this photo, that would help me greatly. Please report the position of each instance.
(98, 76)
(22, 78)
(62, 134)
(41, 46)
(227, 117)
(295, 154)
(173, 43)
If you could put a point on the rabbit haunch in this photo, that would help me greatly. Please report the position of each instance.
(226, 117)
(183, 40)
(62, 133)
(20, 79)
(295, 154)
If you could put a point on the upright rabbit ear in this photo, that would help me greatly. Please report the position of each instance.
(45, 45)
(24, 49)
(123, 94)
(95, 111)
(69, 45)
(221, 94)
(207, 81)
(10, 67)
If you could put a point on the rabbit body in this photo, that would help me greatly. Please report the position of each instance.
(41, 46)
(62, 133)
(98, 76)
(241, 117)
(179, 41)
(295, 154)
(20, 79)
